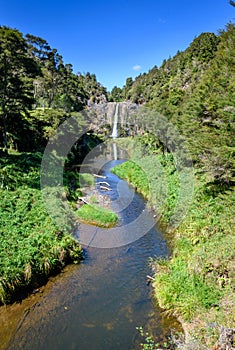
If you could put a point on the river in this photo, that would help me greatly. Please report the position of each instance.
(98, 304)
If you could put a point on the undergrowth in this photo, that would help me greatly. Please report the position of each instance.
(154, 176)
(31, 245)
(196, 283)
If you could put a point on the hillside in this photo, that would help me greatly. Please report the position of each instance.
(38, 90)
(195, 91)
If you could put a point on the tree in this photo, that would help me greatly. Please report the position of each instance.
(128, 86)
(117, 94)
(16, 86)
(37, 47)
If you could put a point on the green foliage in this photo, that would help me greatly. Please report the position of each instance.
(98, 216)
(197, 282)
(134, 174)
(34, 76)
(20, 170)
(31, 245)
(203, 47)
(183, 292)
(86, 179)
(17, 71)
(116, 95)
(195, 91)
(170, 85)
(75, 183)
(153, 175)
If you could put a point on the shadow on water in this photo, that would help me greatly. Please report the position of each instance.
(98, 304)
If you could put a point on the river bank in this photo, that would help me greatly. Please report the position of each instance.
(32, 246)
(197, 283)
(100, 302)
(13, 316)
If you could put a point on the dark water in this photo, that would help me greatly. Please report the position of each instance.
(98, 305)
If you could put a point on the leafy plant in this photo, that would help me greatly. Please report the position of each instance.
(32, 246)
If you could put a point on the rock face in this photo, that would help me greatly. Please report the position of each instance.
(105, 112)
(226, 339)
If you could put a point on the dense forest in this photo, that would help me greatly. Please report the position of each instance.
(195, 91)
(38, 90)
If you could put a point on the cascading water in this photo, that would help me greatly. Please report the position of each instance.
(115, 157)
(115, 123)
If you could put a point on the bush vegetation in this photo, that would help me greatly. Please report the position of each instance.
(31, 245)
(197, 283)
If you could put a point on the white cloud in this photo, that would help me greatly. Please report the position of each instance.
(136, 67)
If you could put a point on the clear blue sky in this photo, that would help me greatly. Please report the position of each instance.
(120, 38)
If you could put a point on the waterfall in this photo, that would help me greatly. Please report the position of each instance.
(115, 123)
(115, 157)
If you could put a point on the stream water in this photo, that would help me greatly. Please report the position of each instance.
(98, 304)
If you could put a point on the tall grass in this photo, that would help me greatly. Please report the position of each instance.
(197, 283)
(155, 177)
(31, 245)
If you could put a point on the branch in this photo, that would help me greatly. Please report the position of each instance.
(105, 188)
(104, 182)
(83, 200)
(100, 176)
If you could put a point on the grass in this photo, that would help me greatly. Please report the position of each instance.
(197, 283)
(92, 213)
(134, 174)
(32, 246)
(154, 176)
(95, 215)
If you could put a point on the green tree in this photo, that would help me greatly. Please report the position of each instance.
(16, 85)
(117, 94)
(127, 87)
(37, 47)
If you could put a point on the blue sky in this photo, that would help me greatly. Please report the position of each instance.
(116, 39)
